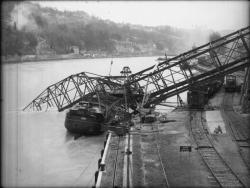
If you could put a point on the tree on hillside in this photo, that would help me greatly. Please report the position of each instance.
(159, 46)
(63, 29)
(40, 21)
(17, 42)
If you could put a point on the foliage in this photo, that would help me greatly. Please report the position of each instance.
(16, 42)
(63, 29)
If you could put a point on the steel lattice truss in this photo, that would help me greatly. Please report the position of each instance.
(69, 91)
(170, 77)
(207, 62)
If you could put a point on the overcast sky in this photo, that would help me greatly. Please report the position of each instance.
(217, 15)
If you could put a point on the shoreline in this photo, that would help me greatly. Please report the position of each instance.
(68, 57)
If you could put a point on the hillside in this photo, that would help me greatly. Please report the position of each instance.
(29, 29)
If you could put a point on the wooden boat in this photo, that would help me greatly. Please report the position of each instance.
(85, 118)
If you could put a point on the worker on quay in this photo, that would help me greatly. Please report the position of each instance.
(219, 129)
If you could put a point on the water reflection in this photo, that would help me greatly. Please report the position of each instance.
(69, 136)
(74, 136)
(38, 144)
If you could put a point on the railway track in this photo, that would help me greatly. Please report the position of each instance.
(151, 157)
(115, 147)
(111, 174)
(156, 137)
(222, 173)
(238, 127)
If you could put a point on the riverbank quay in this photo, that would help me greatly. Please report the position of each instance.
(110, 171)
(156, 160)
(185, 151)
(35, 58)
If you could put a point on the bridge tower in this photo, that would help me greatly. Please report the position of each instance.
(126, 72)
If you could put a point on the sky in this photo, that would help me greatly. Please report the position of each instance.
(217, 15)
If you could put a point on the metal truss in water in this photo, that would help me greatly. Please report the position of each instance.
(168, 78)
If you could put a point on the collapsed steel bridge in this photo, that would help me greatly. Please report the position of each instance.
(83, 86)
(168, 78)
(176, 75)
(69, 91)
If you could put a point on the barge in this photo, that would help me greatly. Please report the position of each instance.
(85, 118)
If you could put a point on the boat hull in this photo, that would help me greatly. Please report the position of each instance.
(84, 126)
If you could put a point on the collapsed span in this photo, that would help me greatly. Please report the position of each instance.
(69, 91)
(168, 78)
(197, 66)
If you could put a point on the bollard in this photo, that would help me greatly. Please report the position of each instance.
(102, 152)
(105, 143)
(102, 167)
(96, 176)
(99, 162)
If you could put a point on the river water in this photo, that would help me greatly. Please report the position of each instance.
(36, 148)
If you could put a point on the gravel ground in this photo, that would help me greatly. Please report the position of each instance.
(182, 169)
(138, 176)
(225, 143)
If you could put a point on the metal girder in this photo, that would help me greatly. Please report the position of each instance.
(70, 90)
(203, 78)
(178, 73)
(171, 76)
(192, 54)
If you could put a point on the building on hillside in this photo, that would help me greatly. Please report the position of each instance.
(148, 47)
(44, 48)
(75, 49)
(125, 46)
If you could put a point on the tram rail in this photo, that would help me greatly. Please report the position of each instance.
(156, 136)
(221, 171)
(115, 163)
